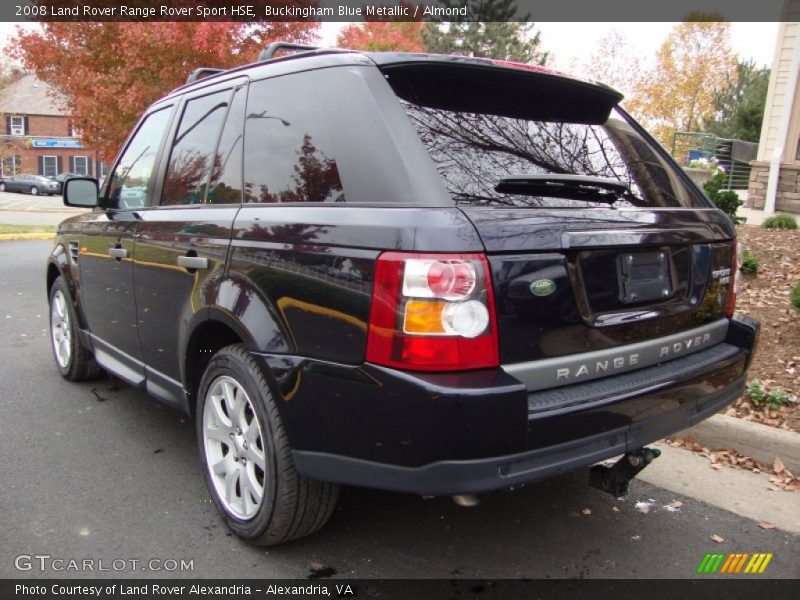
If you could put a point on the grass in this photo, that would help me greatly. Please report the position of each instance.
(10, 228)
(795, 297)
(749, 263)
(780, 222)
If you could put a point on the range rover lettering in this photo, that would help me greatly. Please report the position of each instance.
(428, 274)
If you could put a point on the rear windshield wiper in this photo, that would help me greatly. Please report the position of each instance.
(573, 187)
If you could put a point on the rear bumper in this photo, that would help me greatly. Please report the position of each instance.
(444, 434)
(474, 476)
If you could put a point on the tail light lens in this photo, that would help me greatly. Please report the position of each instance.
(733, 286)
(433, 312)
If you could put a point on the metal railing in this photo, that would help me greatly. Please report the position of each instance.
(688, 146)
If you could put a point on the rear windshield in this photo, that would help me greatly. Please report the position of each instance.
(484, 159)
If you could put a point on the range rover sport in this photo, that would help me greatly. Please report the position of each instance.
(429, 274)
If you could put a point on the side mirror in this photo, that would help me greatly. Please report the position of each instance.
(81, 192)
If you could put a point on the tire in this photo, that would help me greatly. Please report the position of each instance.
(34, 191)
(73, 361)
(291, 506)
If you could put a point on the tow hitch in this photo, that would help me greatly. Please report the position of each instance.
(615, 479)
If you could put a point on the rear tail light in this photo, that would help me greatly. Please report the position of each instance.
(733, 286)
(432, 312)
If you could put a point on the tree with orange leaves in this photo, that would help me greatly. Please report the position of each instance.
(110, 72)
(384, 36)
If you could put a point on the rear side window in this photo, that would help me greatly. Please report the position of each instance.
(225, 185)
(289, 146)
(490, 156)
(193, 150)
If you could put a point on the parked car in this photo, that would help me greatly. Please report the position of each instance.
(61, 178)
(429, 274)
(30, 184)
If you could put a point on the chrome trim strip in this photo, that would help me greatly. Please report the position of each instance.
(576, 368)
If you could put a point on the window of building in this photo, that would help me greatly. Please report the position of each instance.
(102, 169)
(80, 165)
(193, 151)
(131, 178)
(11, 165)
(49, 166)
(17, 125)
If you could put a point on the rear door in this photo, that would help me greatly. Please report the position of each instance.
(183, 238)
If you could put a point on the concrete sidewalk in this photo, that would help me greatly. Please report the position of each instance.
(736, 490)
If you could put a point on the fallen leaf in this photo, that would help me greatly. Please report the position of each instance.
(615, 509)
(766, 526)
(717, 539)
(777, 465)
(587, 511)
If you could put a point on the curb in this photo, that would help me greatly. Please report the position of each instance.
(27, 236)
(760, 442)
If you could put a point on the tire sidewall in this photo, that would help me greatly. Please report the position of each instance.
(226, 363)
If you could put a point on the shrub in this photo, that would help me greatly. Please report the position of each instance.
(760, 395)
(780, 222)
(749, 263)
(795, 297)
(726, 200)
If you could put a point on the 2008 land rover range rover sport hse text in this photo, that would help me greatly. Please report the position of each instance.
(420, 273)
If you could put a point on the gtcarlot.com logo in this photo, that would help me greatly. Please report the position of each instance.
(735, 562)
(46, 562)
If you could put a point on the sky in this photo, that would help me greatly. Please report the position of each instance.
(573, 43)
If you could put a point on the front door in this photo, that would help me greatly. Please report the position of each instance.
(106, 252)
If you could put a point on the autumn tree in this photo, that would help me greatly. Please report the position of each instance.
(488, 31)
(692, 65)
(377, 36)
(739, 108)
(110, 72)
(383, 36)
(613, 62)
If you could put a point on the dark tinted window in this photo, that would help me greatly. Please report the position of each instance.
(193, 150)
(130, 180)
(289, 146)
(475, 152)
(225, 186)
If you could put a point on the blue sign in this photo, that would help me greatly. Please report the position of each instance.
(57, 144)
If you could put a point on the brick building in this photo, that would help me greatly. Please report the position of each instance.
(37, 136)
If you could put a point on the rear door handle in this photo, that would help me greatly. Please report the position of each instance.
(118, 253)
(193, 262)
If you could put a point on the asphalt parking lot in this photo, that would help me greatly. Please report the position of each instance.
(33, 210)
(94, 470)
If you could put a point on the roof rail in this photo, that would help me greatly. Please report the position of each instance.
(275, 47)
(201, 73)
(270, 51)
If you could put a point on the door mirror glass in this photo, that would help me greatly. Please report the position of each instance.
(81, 191)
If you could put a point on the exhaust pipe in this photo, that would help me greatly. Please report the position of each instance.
(466, 500)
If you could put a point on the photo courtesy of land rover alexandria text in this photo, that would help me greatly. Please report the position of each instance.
(428, 274)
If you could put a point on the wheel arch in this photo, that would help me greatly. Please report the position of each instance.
(209, 331)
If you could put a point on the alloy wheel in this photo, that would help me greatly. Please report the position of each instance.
(60, 330)
(234, 448)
